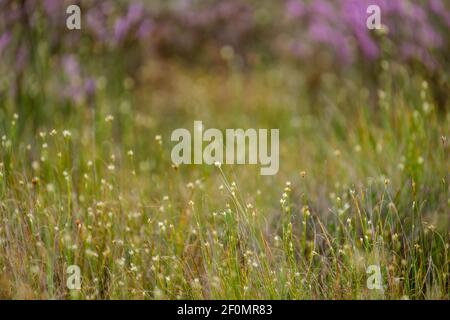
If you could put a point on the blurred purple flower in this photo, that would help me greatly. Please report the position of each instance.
(294, 9)
(21, 58)
(96, 23)
(53, 7)
(135, 12)
(5, 38)
(145, 28)
(90, 87)
(71, 66)
(367, 45)
(439, 9)
(121, 28)
(324, 9)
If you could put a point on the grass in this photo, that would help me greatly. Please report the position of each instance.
(363, 180)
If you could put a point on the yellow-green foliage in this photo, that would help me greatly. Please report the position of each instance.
(363, 180)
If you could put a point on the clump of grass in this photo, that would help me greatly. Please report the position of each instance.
(358, 185)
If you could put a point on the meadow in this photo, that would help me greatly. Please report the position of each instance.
(89, 181)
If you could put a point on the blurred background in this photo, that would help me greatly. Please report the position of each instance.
(44, 63)
(311, 68)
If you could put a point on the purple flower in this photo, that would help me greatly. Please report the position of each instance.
(135, 12)
(439, 9)
(324, 10)
(5, 38)
(95, 21)
(89, 87)
(367, 45)
(145, 28)
(71, 68)
(295, 9)
(21, 58)
(121, 28)
(53, 7)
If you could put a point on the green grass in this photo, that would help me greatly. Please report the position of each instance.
(363, 180)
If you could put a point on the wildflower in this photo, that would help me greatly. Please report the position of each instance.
(288, 186)
(35, 181)
(109, 118)
(35, 165)
(162, 226)
(91, 253)
(66, 134)
(379, 147)
(130, 153)
(227, 53)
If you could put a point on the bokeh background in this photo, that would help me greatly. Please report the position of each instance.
(126, 39)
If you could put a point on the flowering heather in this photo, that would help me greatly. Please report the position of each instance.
(337, 24)
(417, 29)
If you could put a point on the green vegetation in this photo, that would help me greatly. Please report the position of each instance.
(363, 180)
